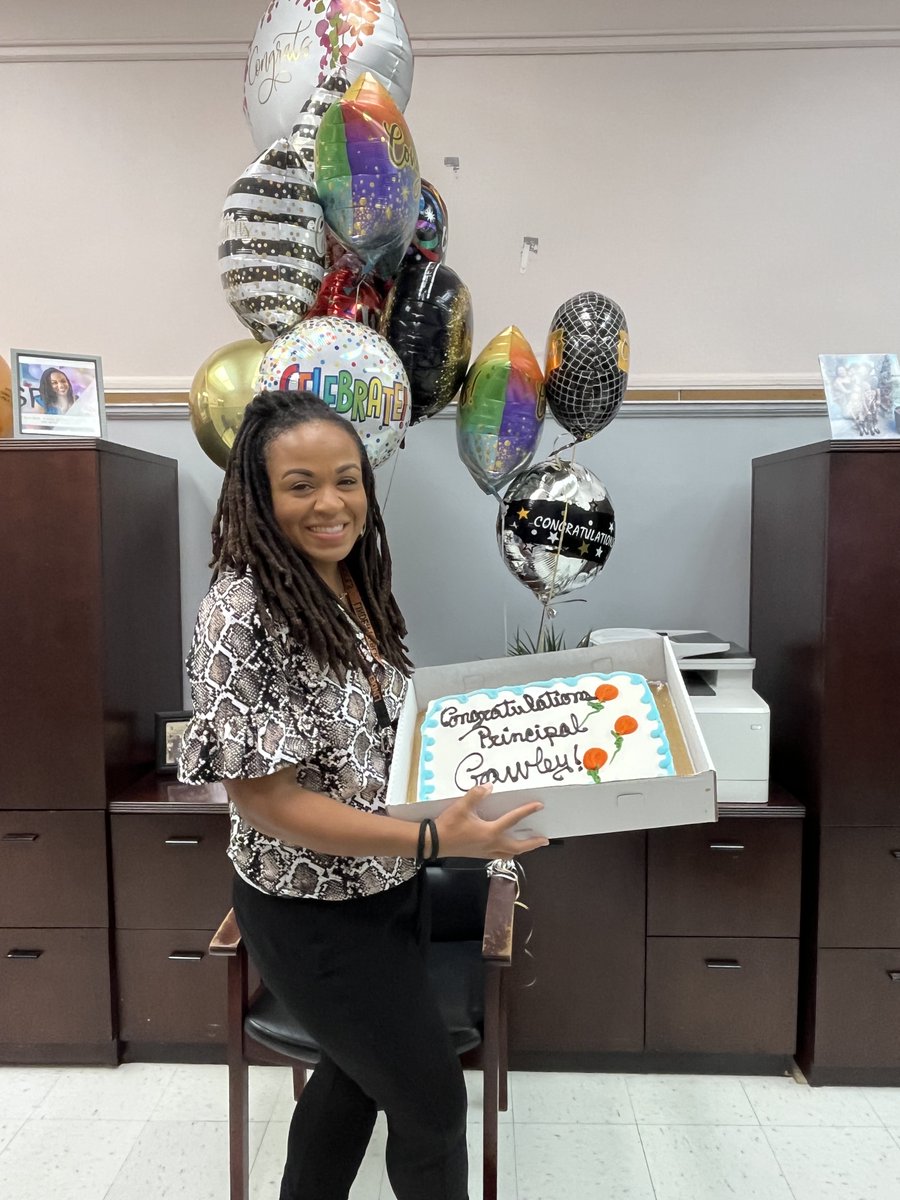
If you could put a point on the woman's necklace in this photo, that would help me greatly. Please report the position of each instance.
(358, 614)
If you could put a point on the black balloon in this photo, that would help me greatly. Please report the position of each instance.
(428, 321)
(587, 363)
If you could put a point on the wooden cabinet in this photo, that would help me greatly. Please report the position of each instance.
(722, 995)
(578, 992)
(723, 922)
(674, 949)
(90, 608)
(53, 867)
(825, 592)
(736, 878)
(55, 985)
(171, 993)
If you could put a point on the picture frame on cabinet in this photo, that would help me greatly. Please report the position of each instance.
(170, 727)
(57, 395)
(863, 395)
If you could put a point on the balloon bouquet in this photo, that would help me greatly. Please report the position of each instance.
(331, 249)
(332, 254)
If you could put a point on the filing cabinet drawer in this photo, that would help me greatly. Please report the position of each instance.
(54, 986)
(171, 990)
(722, 995)
(737, 878)
(53, 868)
(170, 871)
(858, 1008)
(859, 888)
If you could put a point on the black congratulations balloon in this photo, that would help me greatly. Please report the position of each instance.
(556, 527)
(428, 321)
(587, 363)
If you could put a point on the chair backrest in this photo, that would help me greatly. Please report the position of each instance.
(457, 890)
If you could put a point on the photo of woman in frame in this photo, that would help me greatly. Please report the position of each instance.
(56, 392)
(59, 395)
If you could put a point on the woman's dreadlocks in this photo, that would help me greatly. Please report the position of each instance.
(245, 535)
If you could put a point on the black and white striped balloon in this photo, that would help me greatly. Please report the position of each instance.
(303, 135)
(272, 244)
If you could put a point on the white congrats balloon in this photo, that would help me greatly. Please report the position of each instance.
(296, 48)
(353, 369)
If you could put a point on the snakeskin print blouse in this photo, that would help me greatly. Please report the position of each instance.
(261, 703)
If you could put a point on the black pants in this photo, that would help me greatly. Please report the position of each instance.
(353, 972)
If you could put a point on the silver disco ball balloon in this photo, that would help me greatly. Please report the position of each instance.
(556, 527)
(587, 363)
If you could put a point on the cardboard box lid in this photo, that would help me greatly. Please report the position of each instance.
(690, 797)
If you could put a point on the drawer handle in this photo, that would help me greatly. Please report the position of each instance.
(895, 853)
(723, 964)
(894, 976)
(186, 955)
(30, 954)
(20, 837)
(182, 841)
(734, 847)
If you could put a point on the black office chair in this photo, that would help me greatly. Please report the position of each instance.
(471, 943)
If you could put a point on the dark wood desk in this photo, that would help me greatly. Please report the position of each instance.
(629, 934)
(671, 949)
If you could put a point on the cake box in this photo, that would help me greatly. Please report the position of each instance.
(570, 810)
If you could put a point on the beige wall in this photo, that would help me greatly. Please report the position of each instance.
(739, 203)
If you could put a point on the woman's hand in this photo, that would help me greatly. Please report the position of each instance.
(463, 834)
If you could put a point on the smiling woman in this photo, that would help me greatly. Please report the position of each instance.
(318, 496)
(298, 673)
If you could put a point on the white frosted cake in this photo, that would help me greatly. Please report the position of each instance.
(588, 729)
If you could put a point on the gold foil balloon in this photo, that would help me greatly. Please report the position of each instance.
(221, 390)
(5, 399)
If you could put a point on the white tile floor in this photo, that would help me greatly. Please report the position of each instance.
(158, 1132)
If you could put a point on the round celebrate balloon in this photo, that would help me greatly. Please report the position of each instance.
(587, 363)
(353, 369)
(299, 43)
(556, 528)
(501, 410)
(428, 321)
(222, 389)
(272, 247)
(367, 175)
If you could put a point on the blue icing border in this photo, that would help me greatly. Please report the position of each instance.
(656, 727)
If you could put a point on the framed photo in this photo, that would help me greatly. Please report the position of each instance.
(170, 727)
(57, 395)
(863, 395)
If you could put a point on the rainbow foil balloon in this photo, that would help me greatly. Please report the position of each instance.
(367, 175)
(501, 410)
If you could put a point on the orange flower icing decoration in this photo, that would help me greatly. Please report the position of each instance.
(605, 692)
(593, 760)
(621, 729)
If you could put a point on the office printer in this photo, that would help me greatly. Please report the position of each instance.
(733, 719)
